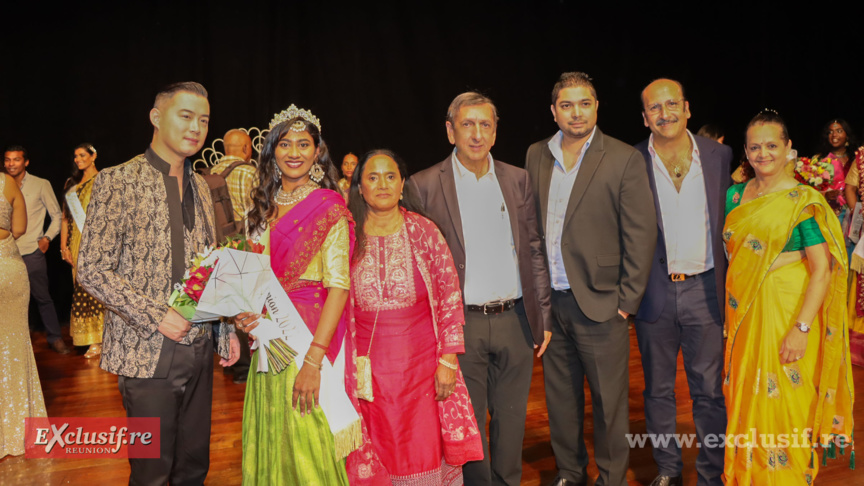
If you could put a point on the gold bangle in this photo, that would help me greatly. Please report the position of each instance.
(308, 360)
(447, 364)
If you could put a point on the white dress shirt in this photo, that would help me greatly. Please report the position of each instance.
(491, 267)
(39, 197)
(560, 187)
(686, 226)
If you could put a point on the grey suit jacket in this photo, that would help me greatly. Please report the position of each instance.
(610, 228)
(716, 159)
(436, 189)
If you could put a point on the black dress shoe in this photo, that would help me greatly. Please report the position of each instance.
(59, 346)
(667, 481)
(559, 481)
(240, 378)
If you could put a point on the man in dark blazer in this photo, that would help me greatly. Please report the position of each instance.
(597, 219)
(485, 208)
(682, 308)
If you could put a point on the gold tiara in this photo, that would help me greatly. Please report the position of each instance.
(294, 112)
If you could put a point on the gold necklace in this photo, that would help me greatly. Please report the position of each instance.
(676, 160)
(283, 198)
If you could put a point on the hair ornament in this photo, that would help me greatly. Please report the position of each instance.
(294, 112)
(92, 148)
(769, 110)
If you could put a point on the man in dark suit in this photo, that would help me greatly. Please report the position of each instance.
(485, 208)
(598, 222)
(682, 306)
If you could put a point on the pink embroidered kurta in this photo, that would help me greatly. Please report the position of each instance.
(405, 288)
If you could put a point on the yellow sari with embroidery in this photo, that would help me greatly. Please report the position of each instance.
(88, 314)
(771, 406)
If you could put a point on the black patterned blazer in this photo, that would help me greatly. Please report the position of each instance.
(125, 261)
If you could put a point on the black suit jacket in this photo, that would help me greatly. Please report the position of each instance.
(610, 227)
(716, 159)
(435, 188)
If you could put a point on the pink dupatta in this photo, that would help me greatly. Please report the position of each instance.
(297, 237)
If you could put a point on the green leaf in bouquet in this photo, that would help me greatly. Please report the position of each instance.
(187, 311)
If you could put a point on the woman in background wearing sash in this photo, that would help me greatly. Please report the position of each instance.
(301, 220)
(87, 318)
(787, 355)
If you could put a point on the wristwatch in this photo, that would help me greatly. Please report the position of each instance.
(802, 326)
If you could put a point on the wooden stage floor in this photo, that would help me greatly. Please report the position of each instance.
(75, 387)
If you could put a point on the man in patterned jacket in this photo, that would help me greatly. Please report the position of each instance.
(146, 220)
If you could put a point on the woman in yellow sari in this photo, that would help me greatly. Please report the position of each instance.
(87, 317)
(788, 372)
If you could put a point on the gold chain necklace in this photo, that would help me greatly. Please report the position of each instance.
(283, 198)
(675, 161)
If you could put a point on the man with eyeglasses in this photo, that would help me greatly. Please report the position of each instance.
(682, 307)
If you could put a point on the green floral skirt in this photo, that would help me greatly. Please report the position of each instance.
(280, 446)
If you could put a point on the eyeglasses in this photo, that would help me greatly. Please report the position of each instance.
(671, 105)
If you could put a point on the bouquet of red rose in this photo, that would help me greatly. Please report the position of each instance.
(824, 174)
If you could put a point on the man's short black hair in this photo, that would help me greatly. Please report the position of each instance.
(18, 148)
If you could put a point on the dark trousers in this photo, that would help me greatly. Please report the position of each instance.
(182, 401)
(599, 351)
(241, 367)
(37, 271)
(691, 322)
(497, 366)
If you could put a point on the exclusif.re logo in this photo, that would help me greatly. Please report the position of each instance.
(90, 437)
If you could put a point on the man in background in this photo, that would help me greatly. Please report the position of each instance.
(243, 175)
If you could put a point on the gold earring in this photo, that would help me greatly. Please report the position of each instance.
(316, 173)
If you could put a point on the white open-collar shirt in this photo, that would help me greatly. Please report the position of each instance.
(491, 267)
(686, 225)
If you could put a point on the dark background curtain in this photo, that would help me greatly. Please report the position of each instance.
(382, 74)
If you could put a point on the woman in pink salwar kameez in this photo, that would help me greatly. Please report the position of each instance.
(408, 321)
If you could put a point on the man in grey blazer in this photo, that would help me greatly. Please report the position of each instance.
(485, 209)
(597, 219)
(682, 308)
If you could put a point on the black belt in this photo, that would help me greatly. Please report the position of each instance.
(680, 277)
(491, 308)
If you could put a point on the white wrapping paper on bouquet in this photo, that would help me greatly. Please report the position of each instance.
(239, 283)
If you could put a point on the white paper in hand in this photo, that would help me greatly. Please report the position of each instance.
(239, 283)
(285, 323)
